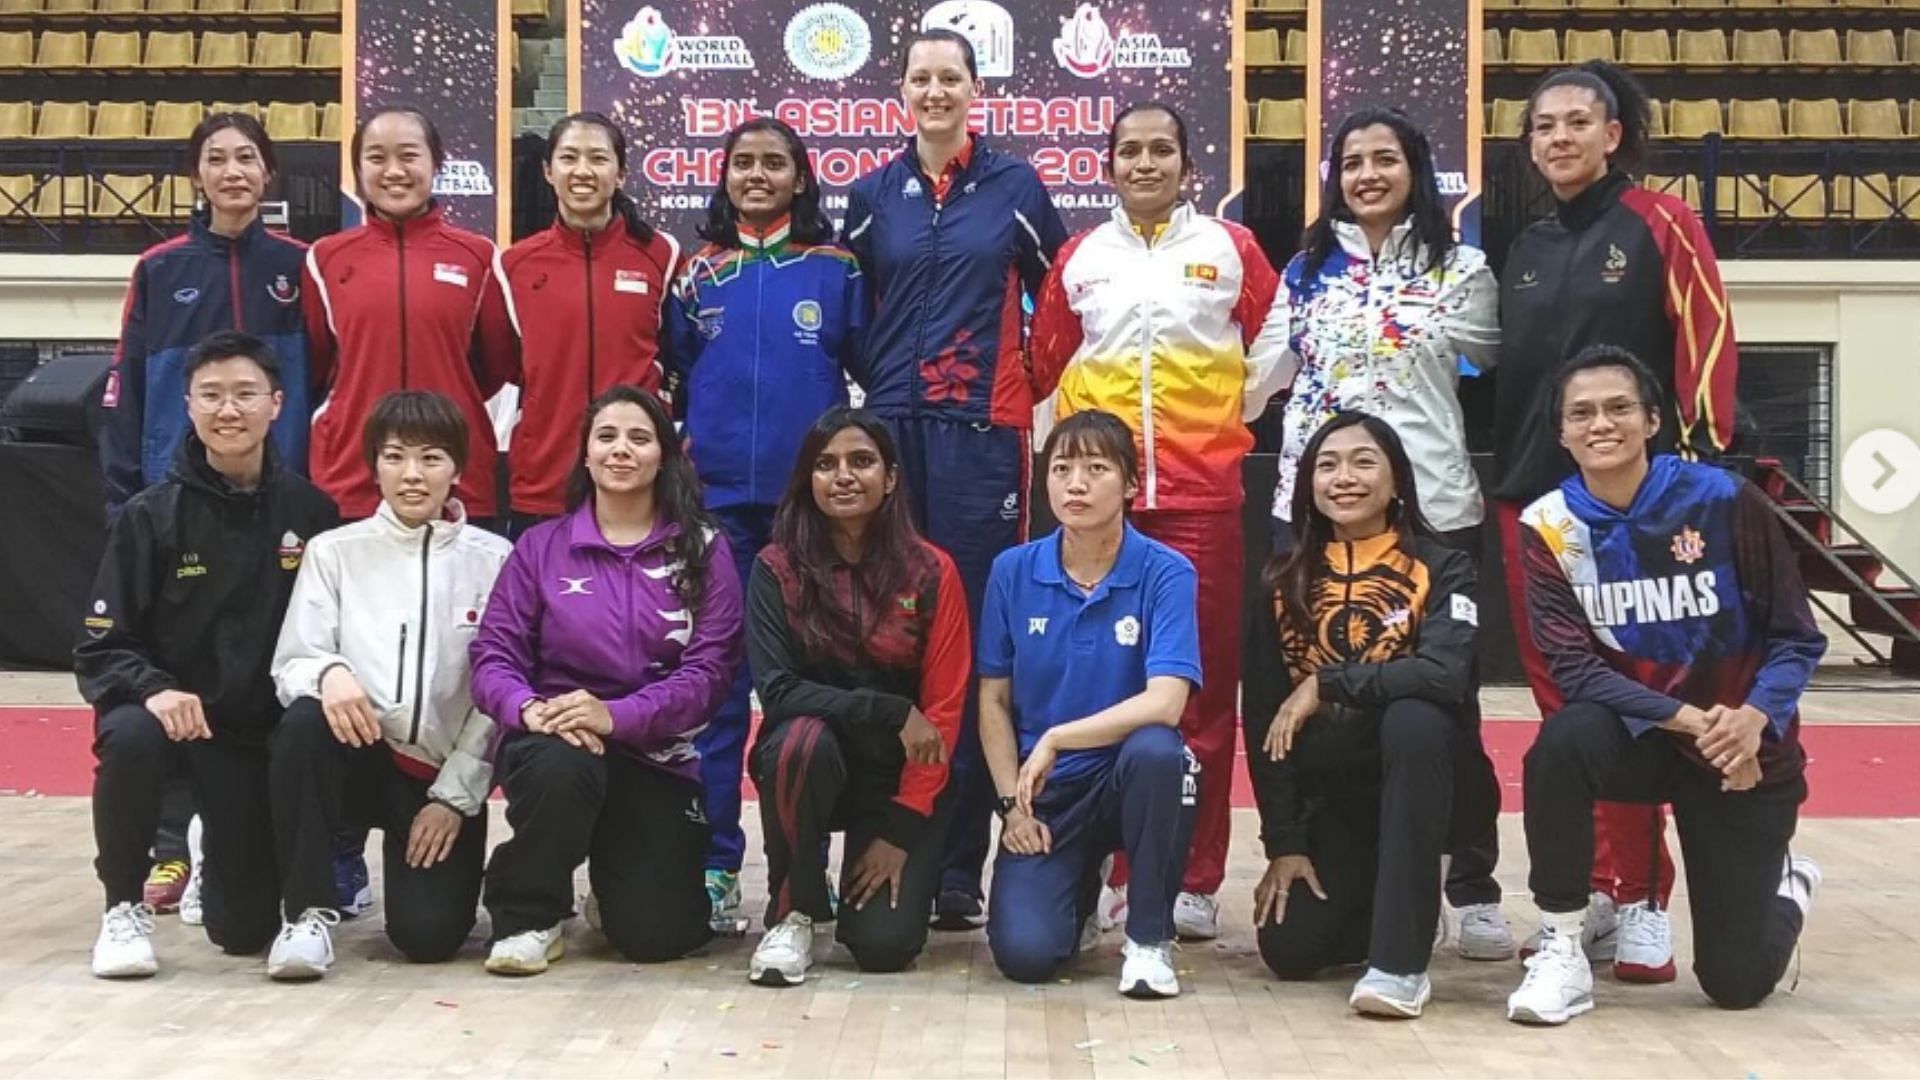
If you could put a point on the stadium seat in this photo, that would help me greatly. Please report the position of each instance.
(177, 197)
(1263, 48)
(1645, 48)
(269, 7)
(1584, 45)
(1700, 3)
(1872, 47)
(1742, 196)
(16, 119)
(16, 49)
(1907, 196)
(169, 49)
(323, 50)
(1508, 117)
(115, 49)
(1537, 4)
(1754, 119)
(291, 121)
(1649, 3)
(277, 50)
(250, 108)
(122, 7)
(1656, 119)
(1588, 5)
(69, 7)
(217, 7)
(1533, 47)
(16, 195)
(62, 120)
(1763, 48)
(1693, 119)
(1284, 120)
(174, 119)
(116, 195)
(1817, 119)
(1814, 46)
(529, 9)
(1756, 3)
(1700, 47)
(1686, 188)
(1911, 44)
(1863, 198)
(222, 50)
(1913, 117)
(61, 197)
(1296, 51)
(19, 7)
(318, 7)
(120, 120)
(169, 7)
(1494, 46)
(62, 49)
(330, 121)
(1874, 119)
(1802, 198)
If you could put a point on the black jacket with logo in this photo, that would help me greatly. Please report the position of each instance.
(1618, 265)
(192, 588)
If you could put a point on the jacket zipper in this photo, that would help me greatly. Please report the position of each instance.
(400, 669)
(233, 282)
(859, 625)
(753, 435)
(1146, 389)
(420, 663)
(1346, 601)
(400, 235)
(587, 239)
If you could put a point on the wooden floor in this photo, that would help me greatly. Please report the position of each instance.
(1856, 1013)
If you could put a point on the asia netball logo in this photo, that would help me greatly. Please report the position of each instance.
(649, 48)
(1088, 47)
(828, 41)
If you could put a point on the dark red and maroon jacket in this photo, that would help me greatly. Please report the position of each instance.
(916, 652)
(594, 301)
(1618, 265)
(410, 305)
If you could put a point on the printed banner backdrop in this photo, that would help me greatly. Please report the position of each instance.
(678, 76)
(1421, 56)
(449, 59)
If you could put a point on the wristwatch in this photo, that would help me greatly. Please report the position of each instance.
(1004, 805)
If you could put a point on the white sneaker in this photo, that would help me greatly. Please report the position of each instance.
(1396, 997)
(1800, 881)
(1645, 950)
(1146, 971)
(784, 954)
(1090, 932)
(304, 949)
(527, 952)
(1601, 937)
(1196, 916)
(193, 910)
(1484, 933)
(590, 911)
(124, 949)
(1112, 911)
(1558, 985)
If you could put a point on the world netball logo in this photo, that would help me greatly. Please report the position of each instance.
(647, 46)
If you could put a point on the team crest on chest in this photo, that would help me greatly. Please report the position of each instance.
(1616, 265)
(1688, 546)
(1127, 631)
(283, 290)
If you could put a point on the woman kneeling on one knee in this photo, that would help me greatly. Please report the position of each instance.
(380, 730)
(611, 638)
(857, 629)
(1088, 651)
(1373, 751)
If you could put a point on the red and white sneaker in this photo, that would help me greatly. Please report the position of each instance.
(1644, 953)
(166, 884)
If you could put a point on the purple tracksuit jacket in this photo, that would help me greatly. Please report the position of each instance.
(572, 612)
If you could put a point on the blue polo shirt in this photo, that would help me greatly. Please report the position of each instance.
(1070, 655)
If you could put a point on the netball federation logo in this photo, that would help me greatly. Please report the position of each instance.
(982, 22)
(1085, 44)
(649, 48)
(828, 41)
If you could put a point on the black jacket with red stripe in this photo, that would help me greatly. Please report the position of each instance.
(410, 305)
(1618, 265)
(592, 303)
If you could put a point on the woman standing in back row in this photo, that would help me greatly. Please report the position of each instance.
(1617, 265)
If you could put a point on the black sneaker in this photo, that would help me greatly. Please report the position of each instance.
(956, 910)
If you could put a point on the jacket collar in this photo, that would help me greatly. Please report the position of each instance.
(1128, 566)
(200, 226)
(768, 242)
(971, 161)
(1585, 208)
(1662, 471)
(191, 469)
(579, 240)
(411, 228)
(1183, 213)
(1353, 241)
(1363, 553)
(583, 533)
(453, 518)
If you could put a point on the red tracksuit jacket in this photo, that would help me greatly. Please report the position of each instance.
(412, 305)
(595, 301)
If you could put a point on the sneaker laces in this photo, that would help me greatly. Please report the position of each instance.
(124, 924)
(786, 934)
(1642, 924)
(310, 920)
(1163, 951)
(1552, 953)
(170, 872)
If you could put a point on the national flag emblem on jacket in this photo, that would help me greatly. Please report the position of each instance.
(1202, 272)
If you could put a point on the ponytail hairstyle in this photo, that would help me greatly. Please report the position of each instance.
(809, 224)
(624, 207)
(1619, 93)
(436, 149)
(1431, 226)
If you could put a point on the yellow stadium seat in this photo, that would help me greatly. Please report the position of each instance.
(1494, 46)
(1541, 3)
(1645, 48)
(330, 121)
(120, 120)
(61, 197)
(1913, 117)
(1911, 44)
(16, 49)
(1700, 47)
(114, 49)
(16, 119)
(1649, 3)
(318, 7)
(1874, 119)
(19, 7)
(217, 7)
(1802, 198)
(177, 197)
(529, 9)
(1742, 196)
(62, 49)
(174, 119)
(1863, 198)
(1656, 119)
(1813, 46)
(1693, 119)
(1759, 47)
(269, 7)
(1700, 3)
(1685, 188)
(16, 195)
(116, 195)
(62, 120)
(169, 7)
(277, 50)
(1872, 47)
(69, 7)
(291, 121)
(169, 49)
(1285, 120)
(1818, 119)
(1533, 47)
(1907, 196)
(1263, 47)
(1756, 3)
(249, 108)
(1754, 119)
(1296, 51)
(122, 7)
(1509, 116)
(323, 50)
(1583, 45)
(222, 49)
(1587, 5)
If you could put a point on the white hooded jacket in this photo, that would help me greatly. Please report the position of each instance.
(398, 607)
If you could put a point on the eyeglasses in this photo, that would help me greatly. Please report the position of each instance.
(1583, 414)
(244, 400)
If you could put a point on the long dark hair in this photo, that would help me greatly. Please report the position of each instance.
(624, 207)
(676, 490)
(895, 554)
(810, 224)
(1290, 575)
(1431, 225)
(1619, 93)
(436, 148)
